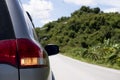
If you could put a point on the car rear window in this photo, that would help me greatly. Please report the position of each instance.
(6, 28)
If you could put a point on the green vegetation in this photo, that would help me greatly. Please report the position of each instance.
(88, 34)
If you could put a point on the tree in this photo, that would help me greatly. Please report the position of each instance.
(85, 9)
(96, 10)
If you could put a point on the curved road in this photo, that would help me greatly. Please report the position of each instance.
(65, 68)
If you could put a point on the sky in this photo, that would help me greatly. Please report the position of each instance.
(44, 11)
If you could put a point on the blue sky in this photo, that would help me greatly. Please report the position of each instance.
(44, 11)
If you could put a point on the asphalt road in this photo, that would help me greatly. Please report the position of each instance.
(65, 68)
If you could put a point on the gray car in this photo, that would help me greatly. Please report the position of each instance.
(21, 55)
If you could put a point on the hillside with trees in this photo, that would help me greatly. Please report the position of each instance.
(88, 34)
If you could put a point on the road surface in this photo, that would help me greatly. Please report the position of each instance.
(65, 68)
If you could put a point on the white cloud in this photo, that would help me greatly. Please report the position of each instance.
(39, 9)
(95, 2)
(112, 10)
(81, 2)
(44, 21)
(114, 5)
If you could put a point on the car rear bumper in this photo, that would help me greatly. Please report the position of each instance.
(8, 72)
(35, 74)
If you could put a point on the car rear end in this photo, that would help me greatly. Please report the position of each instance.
(21, 56)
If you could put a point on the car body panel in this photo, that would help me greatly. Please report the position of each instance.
(23, 29)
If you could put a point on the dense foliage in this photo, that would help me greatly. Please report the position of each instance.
(88, 34)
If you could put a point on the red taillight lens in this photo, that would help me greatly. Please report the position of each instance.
(8, 52)
(22, 53)
(30, 54)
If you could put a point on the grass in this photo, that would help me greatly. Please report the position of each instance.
(91, 62)
(107, 55)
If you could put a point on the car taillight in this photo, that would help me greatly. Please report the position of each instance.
(30, 55)
(8, 52)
